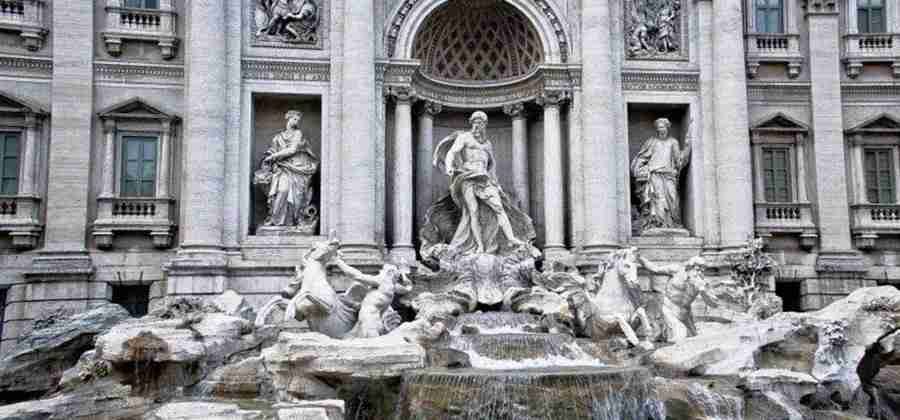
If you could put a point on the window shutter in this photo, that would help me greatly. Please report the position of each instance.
(9, 164)
(139, 167)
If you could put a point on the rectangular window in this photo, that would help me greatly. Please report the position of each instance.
(770, 16)
(776, 167)
(138, 166)
(135, 299)
(879, 172)
(9, 163)
(142, 4)
(870, 16)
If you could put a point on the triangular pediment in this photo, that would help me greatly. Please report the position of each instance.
(12, 105)
(135, 108)
(884, 123)
(780, 122)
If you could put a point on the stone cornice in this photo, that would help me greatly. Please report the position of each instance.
(138, 73)
(870, 92)
(296, 71)
(636, 80)
(21, 66)
(767, 92)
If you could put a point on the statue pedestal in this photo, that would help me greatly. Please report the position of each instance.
(666, 232)
(302, 230)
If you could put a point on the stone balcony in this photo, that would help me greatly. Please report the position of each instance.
(873, 220)
(155, 25)
(152, 215)
(19, 218)
(871, 48)
(787, 218)
(774, 48)
(26, 17)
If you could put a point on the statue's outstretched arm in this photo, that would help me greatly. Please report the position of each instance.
(371, 281)
(658, 268)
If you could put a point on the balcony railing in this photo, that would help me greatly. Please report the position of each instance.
(151, 215)
(863, 48)
(787, 218)
(158, 25)
(27, 18)
(870, 221)
(19, 218)
(774, 48)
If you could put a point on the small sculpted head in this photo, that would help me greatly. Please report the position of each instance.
(479, 123)
(662, 127)
(390, 272)
(293, 119)
(324, 251)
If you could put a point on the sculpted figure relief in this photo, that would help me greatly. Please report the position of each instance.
(477, 217)
(652, 28)
(292, 21)
(656, 171)
(685, 284)
(287, 170)
(363, 311)
(617, 305)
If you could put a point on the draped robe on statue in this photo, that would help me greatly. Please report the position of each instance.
(290, 192)
(656, 169)
(449, 220)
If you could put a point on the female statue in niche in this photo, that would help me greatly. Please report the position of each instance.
(287, 169)
(656, 170)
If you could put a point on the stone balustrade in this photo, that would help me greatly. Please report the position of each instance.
(157, 25)
(27, 18)
(152, 215)
(774, 48)
(786, 218)
(873, 220)
(19, 218)
(863, 48)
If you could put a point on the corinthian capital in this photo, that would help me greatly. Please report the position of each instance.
(514, 110)
(402, 93)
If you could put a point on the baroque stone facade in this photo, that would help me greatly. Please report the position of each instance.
(130, 132)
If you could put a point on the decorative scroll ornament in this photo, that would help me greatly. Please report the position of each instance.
(288, 21)
(653, 29)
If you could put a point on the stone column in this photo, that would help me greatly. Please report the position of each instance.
(519, 154)
(107, 189)
(598, 118)
(204, 145)
(72, 90)
(402, 178)
(731, 120)
(859, 181)
(162, 187)
(424, 155)
(827, 119)
(26, 187)
(554, 210)
(800, 152)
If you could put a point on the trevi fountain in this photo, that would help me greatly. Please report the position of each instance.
(449, 209)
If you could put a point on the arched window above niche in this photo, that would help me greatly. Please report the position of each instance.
(478, 40)
(135, 194)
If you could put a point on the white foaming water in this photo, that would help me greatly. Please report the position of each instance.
(578, 357)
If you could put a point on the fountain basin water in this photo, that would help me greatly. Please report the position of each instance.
(517, 351)
(589, 393)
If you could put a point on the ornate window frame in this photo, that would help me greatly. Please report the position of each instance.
(862, 48)
(116, 213)
(28, 20)
(783, 48)
(159, 25)
(871, 220)
(20, 213)
(795, 216)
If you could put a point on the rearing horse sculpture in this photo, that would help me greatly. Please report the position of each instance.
(616, 306)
